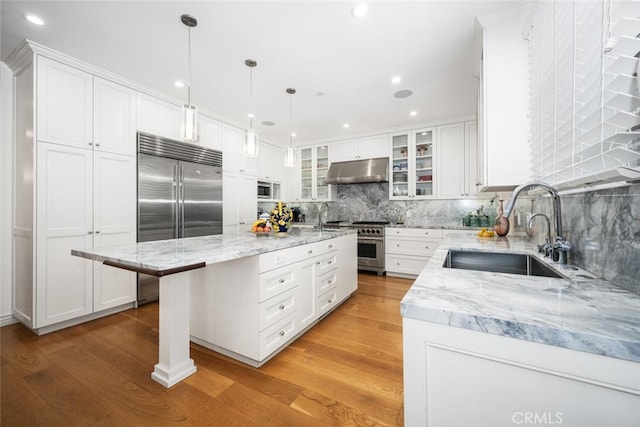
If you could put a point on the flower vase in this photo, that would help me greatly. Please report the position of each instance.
(501, 224)
(281, 217)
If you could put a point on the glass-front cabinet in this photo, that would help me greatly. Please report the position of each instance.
(314, 164)
(412, 164)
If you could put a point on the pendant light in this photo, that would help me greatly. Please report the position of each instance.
(251, 138)
(189, 129)
(290, 160)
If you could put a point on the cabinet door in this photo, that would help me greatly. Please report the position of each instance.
(321, 165)
(231, 198)
(422, 158)
(233, 152)
(400, 164)
(471, 157)
(307, 173)
(63, 222)
(64, 104)
(114, 213)
(306, 293)
(270, 162)
(451, 161)
(209, 133)
(114, 117)
(159, 117)
(343, 151)
(372, 147)
(248, 201)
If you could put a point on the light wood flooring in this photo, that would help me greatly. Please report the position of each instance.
(347, 370)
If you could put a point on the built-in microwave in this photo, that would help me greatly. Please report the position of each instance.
(264, 190)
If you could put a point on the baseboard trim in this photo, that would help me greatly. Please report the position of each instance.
(7, 320)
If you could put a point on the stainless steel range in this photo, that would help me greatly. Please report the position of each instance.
(371, 245)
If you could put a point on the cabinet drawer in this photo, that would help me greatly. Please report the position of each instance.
(432, 233)
(277, 281)
(327, 301)
(326, 282)
(326, 263)
(284, 257)
(276, 308)
(418, 247)
(277, 335)
(405, 264)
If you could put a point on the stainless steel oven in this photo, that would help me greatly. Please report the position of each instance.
(371, 246)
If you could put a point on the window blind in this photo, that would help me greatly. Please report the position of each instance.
(585, 100)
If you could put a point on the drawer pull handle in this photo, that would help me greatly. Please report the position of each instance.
(426, 247)
(281, 307)
(397, 245)
(309, 251)
(281, 281)
(329, 300)
(329, 281)
(317, 262)
(330, 246)
(330, 262)
(281, 333)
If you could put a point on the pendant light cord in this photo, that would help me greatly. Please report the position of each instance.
(189, 67)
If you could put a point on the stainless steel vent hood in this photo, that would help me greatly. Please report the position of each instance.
(359, 171)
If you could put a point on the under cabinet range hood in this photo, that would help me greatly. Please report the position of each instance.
(358, 171)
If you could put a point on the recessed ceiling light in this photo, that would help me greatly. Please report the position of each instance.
(405, 93)
(36, 20)
(359, 10)
(346, 125)
(396, 79)
(268, 123)
(320, 94)
(413, 113)
(178, 83)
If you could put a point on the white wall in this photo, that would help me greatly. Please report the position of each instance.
(6, 167)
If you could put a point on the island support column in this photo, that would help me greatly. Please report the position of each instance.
(174, 363)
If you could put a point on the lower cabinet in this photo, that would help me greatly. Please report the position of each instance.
(251, 308)
(407, 250)
(503, 381)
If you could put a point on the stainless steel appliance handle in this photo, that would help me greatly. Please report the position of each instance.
(370, 239)
(174, 193)
(181, 201)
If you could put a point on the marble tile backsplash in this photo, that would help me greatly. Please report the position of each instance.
(603, 226)
(604, 230)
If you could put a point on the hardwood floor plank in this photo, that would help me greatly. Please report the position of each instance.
(347, 370)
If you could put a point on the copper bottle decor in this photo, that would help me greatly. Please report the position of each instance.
(501, 224)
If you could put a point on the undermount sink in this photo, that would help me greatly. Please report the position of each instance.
(499, 262)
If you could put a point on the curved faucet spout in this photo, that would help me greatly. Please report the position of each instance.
(552, 191)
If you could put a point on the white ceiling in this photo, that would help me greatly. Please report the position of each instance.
(314, 46)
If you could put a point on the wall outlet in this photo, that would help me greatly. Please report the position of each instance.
(408, 213)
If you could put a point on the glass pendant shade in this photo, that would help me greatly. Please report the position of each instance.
(251, 143)
(290, 160)
(189, 129)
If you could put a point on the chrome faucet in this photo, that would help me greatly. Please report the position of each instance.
(546, 248)
(559, 246)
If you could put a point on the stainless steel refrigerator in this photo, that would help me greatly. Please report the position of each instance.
(179, 195)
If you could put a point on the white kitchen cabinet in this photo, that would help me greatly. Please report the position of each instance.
(369, 147)
(233, 156)
(408, 250)
(503, 150)
(457, 160)
(84, 198)
(502, 381)
(413, 164)
(240, 202)
(313, 164)
(209, 133)
(270, 162)
(64, 99)
(159, 117)
(114, 113)
(251, 308)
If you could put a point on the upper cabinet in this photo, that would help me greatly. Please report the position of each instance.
(64, 104)
(369, 147)
(114, 113)
(209, 133)
(314, 164)
(412, 163)
(502, 104)
(270, 162)
(233, 156)
(159, 117)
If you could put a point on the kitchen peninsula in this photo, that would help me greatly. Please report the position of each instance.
(509, 346)
(239, 294)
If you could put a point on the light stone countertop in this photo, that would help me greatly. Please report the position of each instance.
(590, 315)
(169, 256)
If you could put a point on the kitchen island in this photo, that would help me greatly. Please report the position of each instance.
(251, 269)
(513, 349)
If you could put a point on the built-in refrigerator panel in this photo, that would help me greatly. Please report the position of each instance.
(157, 198)
(179, 195)
(201, 199)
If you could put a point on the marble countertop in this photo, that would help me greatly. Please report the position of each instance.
(590, 315)
(170, 256)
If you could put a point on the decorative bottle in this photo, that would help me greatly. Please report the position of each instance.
(501, 224)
